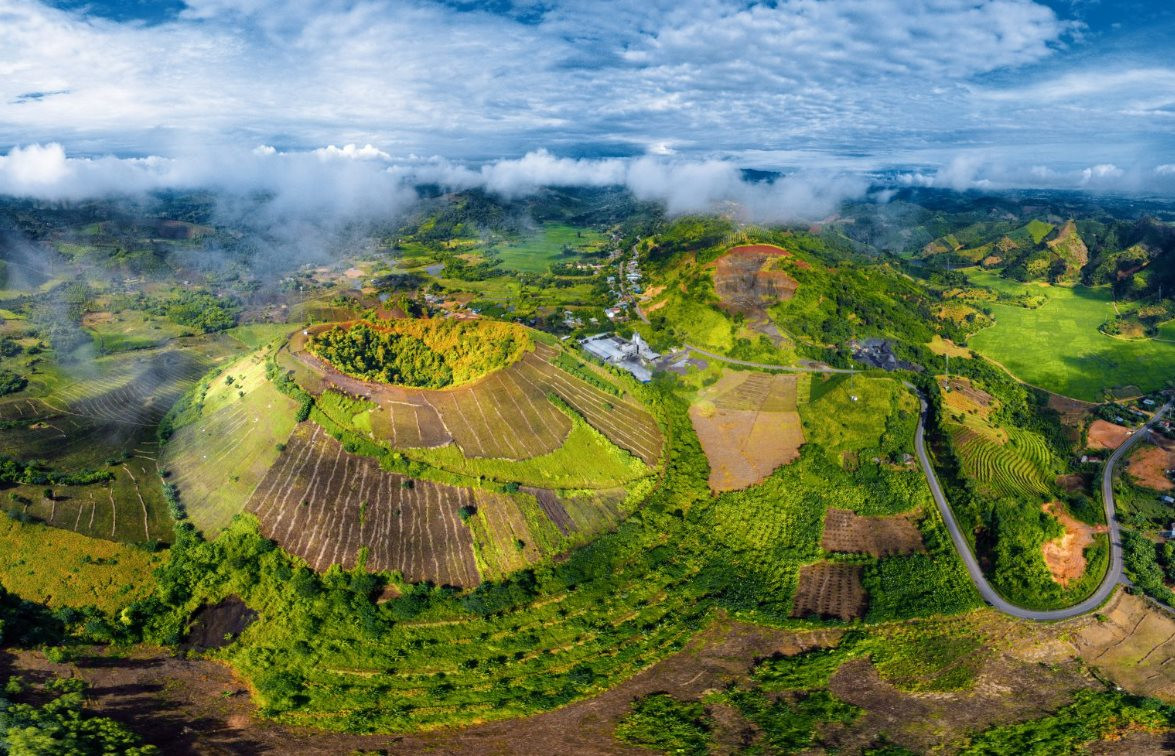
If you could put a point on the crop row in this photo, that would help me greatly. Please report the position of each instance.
(325, 506)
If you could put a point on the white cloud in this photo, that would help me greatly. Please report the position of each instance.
(341, 188)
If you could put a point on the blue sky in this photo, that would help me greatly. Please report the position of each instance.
(960, 93)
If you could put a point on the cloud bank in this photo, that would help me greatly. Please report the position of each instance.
(353, 182)
(881, 82)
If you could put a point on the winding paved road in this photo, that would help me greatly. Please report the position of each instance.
(989, 594)
(1113, 574)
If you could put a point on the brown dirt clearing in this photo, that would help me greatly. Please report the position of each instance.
(1149, 465)
(851, 533)
(1106, 435)
(1065, 556)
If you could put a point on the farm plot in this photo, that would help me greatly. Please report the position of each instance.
(624, 423)
(325, 506)
(582, 513)
(848, 532)
(748, 425)
(217, 461)
(1106, 435)
(1012, 468)
(830, 590)
(504, 538)
(130, 509)
(136, 389)
(504, 415)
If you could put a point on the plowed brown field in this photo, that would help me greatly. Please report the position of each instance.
(1105, 435)
(324, 505)
(747, 425)
(851, 533)
(830, 590)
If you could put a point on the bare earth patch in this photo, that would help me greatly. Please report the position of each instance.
(747, 425)
(1149, 465)
(851, 533)
(1106, 435)
(1065, 556)
(745, 283)
(1072, 411)
(830, 590)
(1133, 643)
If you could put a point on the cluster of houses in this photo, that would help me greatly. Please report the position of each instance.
(625, 287)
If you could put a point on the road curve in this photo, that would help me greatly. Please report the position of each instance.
(989, 594)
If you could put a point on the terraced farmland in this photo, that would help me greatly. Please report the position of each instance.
(326, 505)
(130, 508)
(1022, 465)
(133, 390)
(504, 415)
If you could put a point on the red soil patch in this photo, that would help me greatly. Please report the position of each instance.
(744, 283)
(830, 590)
(1149, 465)
(851, 533)
(1065, 556)
(1106, 435)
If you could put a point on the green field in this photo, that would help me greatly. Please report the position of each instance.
(535, 253)
(587, 459)
(59, 568)
(1058, 346)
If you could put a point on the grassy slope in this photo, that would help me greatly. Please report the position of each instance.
(587, 459)
(216, 474)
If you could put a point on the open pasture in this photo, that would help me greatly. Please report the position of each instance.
(850, 533)
(536, 252)
(748, 425)
(326, 506)
(828, 589)
(1058, 346)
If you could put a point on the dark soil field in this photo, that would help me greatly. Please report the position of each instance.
(830, 590)
(848, 532)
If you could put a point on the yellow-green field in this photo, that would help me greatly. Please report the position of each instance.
(60, 568)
